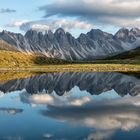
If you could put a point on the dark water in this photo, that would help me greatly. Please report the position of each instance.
(71, 106)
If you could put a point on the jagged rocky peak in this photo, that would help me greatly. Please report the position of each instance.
(49, 35)
(122, 33)
(72, 40)
(4, 32)
(40, 35)
(31, 33)
(33, 36)
(127, 35)
(60, 31)
(97, 34)
(135, 31)
(61, 37)
(83, 38)
(69, 37)
(7, 33)
(11, 37)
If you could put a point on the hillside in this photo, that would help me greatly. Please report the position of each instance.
(14, 59)
(132, 54)
(10, 56)
(7, 47)
(19, 59)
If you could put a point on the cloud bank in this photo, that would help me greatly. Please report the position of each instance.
(43, 25)
(81, 15)
(52, 24)
(109, 12)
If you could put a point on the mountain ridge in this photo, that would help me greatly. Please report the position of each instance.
(95, 44)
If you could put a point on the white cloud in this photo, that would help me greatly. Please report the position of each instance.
(53, 100)
(100, 135)
(40, 27)
(67, 24)
(121, 21)
(80, 101)
(48, 135)
(39, 98)
(16, 23)
(11, 111)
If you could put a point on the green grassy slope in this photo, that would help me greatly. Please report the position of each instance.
(132, 54)
(19, 59)
(14, 59)
(129, 57)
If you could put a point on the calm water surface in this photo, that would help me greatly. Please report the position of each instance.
(71, 106)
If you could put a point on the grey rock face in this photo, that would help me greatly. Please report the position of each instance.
(126, 35)
(95, 44)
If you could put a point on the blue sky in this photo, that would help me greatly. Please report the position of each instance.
(25, 10)
(75, 16)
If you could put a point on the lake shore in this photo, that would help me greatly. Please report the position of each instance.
(76, 67)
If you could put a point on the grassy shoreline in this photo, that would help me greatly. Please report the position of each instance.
(9, 73)
(77, 67)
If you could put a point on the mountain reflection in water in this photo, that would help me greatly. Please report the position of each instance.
(94, 83)
(75, 105)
